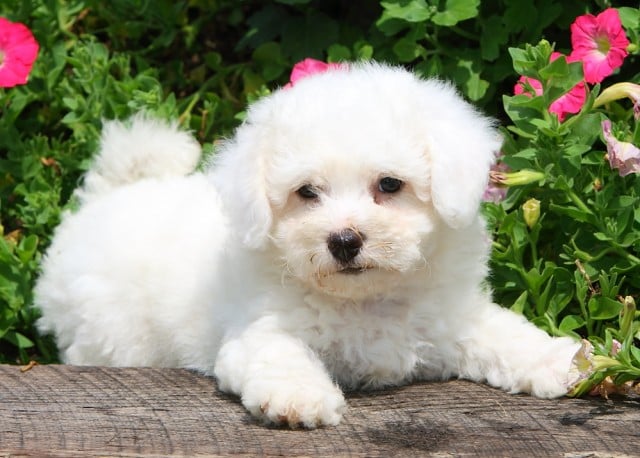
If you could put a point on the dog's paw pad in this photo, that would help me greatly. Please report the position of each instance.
(295, 407)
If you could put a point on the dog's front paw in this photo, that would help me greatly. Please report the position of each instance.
(551, 376)
(308, 405)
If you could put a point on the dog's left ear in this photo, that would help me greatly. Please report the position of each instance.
(462, 146)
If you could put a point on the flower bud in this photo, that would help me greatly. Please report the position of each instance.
(518, 178)
(601, 362)
(627, 314)
(531, 212)
(619, 91)
(597, 184)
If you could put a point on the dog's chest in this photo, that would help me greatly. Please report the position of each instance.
(370, 344)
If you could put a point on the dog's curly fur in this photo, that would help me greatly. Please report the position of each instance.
(334, 242)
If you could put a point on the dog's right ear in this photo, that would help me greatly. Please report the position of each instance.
(462, 146)
(238, 173)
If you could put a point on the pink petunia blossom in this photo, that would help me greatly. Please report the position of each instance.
(526, 85)
(570, 102)
(495, 191)
(616, 346)
(309, 67)
(600, 43)
(18, 52)
(623, 156)
(581, 367)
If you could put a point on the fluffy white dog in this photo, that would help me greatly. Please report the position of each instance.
(335, 242)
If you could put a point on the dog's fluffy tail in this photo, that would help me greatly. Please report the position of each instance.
(139, 148)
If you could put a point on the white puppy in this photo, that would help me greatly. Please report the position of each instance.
(334, 243)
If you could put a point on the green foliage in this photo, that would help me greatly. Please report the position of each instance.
(573, 269)
(202, 61)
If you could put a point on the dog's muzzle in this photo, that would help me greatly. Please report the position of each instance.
(345, 245)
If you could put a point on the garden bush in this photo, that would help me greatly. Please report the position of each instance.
(566, 220)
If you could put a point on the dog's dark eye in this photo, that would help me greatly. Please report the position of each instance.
(307, 192)
(389, 185)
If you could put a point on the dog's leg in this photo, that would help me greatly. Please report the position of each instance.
(507, 351)
(279, 379)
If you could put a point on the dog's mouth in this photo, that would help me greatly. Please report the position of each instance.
(354, 270)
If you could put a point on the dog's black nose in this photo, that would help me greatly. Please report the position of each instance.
(345, 245)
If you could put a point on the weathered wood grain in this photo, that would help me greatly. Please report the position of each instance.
(82, 411)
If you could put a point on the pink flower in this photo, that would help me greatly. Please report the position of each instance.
(570, 102)
(309, 67)
(528, 86)
(496, 191)
(623, 156)
(616, 346)
(18, 51)
(600, 43)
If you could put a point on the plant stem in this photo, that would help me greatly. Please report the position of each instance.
(578, 202)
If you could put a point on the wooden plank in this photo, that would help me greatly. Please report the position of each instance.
(85, 411)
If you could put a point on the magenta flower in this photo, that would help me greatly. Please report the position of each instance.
(309, 67)
(623, 156)
(570, 102)
(600, 43)
(528, 86)
(18, 51)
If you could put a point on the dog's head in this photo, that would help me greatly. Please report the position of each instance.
(348, 174)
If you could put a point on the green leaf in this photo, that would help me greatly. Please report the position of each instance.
(27, 248)
(469, 78)
(363, 50)
(522, 110)
(630, 17)
(602, 236)
(390, 25)
(456, 11)
(522, 61)
(493, 38)
(409, 11)
(561, 292)
(269, 57)
(560, 77)
(518, 14)
(603, 308)
(407, 50)
(431, 67)
(620, 202)
(570, 323)
(71, 103)
(529, 60)
(573, 212)
(18, 339)
(586, 130)
(338, 53)
(520, 303)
